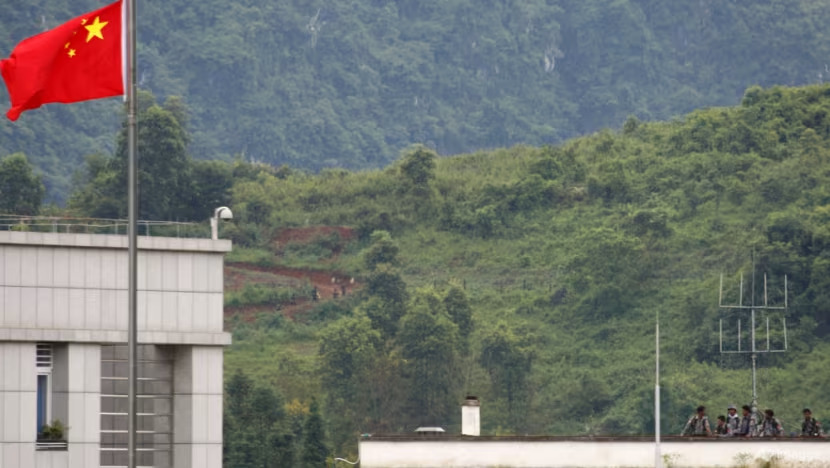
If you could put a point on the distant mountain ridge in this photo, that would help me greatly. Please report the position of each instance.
(320, 84)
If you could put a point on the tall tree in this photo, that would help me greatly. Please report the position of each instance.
(382, 250)
(508, 362)
(164, 171)
(418, 169)
(315, 450)
(429, 343)
(387, 300)
(460, 311)
(96, 193)
(348, 349)
(21, 189)
(210, 188)
(257, 431)
(163, 165)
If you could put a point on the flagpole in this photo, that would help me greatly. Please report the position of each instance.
(132, 233)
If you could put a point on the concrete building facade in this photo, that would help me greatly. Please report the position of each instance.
(63, 353)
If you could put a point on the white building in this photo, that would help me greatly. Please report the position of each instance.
(453, 451)
(63, 353)
(435, 449)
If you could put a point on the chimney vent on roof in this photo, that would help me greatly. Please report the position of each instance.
(470, 417)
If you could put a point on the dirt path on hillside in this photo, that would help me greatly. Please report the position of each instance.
(329, 285)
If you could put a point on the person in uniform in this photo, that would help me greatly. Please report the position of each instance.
(698, 424)
(810, 427)
(732, 419)
(771, 427)
(747, 426)
(722, 429)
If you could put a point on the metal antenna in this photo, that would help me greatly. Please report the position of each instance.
(752, 308)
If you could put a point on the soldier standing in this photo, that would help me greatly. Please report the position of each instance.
(698, 424)
(732, 419)
(771, 427)
(748, 424)
(810, 427)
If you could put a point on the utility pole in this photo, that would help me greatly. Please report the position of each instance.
(658, 456)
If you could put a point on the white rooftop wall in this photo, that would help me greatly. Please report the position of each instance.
(517, 453)
(73, 287)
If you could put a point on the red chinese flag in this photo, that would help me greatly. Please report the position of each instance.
(77, 61)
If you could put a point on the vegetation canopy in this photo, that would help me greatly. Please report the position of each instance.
(533, 277)
(318, 84)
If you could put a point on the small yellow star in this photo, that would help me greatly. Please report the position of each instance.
(83, 21)
(95, 29)
(66, 46)
(71, 53)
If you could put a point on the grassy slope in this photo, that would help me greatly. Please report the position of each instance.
(659, 212)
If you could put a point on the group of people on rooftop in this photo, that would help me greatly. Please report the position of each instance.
(747, 425)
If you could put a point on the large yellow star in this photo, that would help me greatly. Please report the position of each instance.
(95, 29)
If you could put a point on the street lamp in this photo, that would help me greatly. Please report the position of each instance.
(223, 212)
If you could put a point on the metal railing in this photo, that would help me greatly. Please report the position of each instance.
(51, 445)
(79, 225)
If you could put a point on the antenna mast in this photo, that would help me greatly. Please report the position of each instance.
(753, 350)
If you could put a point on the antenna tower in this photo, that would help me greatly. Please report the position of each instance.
(753, 349)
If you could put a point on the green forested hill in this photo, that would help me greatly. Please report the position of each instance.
(532, 277)
(348, 84)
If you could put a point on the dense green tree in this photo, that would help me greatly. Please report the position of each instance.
(418, 170)
(508, 359)
(459, 309)
(21, 189)
(429, 343)
(388, 299)
(256, 429)
(211, 183)
(237, 446)
(348, 349)
(166, 188)
(96, 194)
(382, 250)
(383, 315)
(163, 165)
(315, 449)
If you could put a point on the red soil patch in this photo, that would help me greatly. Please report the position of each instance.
(304, 235)
(330, 285)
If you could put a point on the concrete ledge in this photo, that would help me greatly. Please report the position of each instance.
(109, 241)
(409, 451)
(113, 336)
(432, 437)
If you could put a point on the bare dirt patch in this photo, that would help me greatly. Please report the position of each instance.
(330, 285)
(304, 235)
